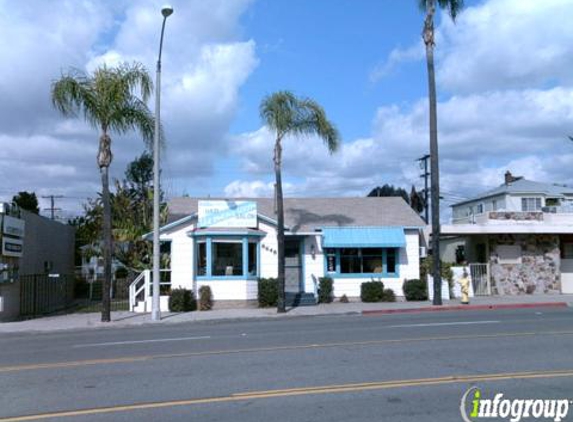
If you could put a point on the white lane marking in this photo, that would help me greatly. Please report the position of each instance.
(439, 324)
(158, 340)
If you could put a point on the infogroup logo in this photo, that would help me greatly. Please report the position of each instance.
(474, 407)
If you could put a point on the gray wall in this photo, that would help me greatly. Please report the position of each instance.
(47, 241)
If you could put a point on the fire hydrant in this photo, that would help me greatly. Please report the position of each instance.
(465, 287)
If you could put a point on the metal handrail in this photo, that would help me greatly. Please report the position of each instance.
(142, 283)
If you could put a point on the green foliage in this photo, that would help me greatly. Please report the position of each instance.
(415, 290)
(344, 299)
(287, 114)
(372, 291)
(205, 298)
(182, 300)
(454, 7)
(325, 290)
(27, 201)
(388, 295)
(389, 190)
(426, 266)
(268, 292)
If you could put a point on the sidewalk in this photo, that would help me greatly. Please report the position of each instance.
(80, 321)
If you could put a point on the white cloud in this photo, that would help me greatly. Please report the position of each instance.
(204, 65)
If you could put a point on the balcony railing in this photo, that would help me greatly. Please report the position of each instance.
(548, 215)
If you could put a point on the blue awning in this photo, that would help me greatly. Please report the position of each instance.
(359, 237)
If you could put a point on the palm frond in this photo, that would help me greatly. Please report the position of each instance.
(313, 120)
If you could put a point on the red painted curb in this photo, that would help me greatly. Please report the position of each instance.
(468, 308)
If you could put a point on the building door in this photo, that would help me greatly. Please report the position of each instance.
(293, 265)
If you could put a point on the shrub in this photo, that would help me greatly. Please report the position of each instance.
(205, 298)
(344, 299)
(388, 295)
(268, 292)
(182, 300)
(372, 291)
(415, 290)
(325, 290)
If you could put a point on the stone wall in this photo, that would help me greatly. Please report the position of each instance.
(535, 271)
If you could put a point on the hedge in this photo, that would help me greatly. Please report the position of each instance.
(182, 300)
(268, 292)
(325, 290)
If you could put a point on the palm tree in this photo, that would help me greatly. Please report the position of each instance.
(108, 101)
(429, 6)
(286, 115)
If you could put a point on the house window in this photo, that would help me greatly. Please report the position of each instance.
(494, 205)
(479, 209)
(226, 258)
(530, 204)
(362, 261)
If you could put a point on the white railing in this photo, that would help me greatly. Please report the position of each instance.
(139, 285)
(140, 288)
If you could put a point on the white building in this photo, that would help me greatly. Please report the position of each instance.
(229, 244)
(521, 233)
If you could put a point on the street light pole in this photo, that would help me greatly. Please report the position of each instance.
(166, 11)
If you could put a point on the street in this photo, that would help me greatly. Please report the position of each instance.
(407, 367)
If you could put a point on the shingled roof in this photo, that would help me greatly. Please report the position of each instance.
(310, 214)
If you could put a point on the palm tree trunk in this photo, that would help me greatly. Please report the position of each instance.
(280, 228)
(104, 160)
(428, 35)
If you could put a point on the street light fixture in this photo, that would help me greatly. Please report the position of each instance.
(166, 11)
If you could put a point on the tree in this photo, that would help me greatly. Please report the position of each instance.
(27, 201)
(429, 7)
(416, 200)
(390, 190)
(108, 100)
(288, 115)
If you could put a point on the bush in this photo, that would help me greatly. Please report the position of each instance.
(388, 295)
(325, 290)
(344, 299)
(182, 300)
(415, 290)
(205, 298)
(372, 291)
(268, 292)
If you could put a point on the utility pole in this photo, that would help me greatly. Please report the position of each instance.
(52, 203)
(425, 175)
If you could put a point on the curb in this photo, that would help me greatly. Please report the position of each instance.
(468, 308)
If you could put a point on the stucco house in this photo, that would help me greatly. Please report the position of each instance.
(228, 244)
(518, 235)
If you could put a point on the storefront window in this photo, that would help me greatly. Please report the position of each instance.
(227, 259)
(253, 259)
(383, 261)
(201, 258)
(223, 257)
(391, 261)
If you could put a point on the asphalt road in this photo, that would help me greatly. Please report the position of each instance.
(346, 368)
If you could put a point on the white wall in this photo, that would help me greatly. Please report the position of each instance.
(313, 266)
(268, 251)
(182, 265)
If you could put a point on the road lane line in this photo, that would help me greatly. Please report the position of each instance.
(158, 340)
(16, 368)
(293, 392)
(443, 324)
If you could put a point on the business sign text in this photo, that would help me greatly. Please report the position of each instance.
(227, 214)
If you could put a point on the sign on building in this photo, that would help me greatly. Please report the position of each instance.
(13, 226)
(12, 247)
(227, 213)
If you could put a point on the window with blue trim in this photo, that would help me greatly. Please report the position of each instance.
(372, 261)
(220, 257)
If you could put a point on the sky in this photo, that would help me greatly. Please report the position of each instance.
(504, 80)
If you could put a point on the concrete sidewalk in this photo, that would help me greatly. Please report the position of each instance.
(81, 321)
